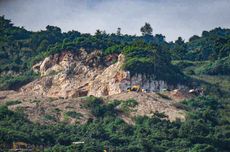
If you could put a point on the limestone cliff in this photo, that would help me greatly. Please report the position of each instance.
(68, 75)
(114, 80)
(78, 74)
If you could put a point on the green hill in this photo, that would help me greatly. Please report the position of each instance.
(206, 128)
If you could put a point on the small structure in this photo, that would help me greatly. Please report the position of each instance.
(135, 88)
(21, 146)
(78, 142)
(197, 91)
(164, 90)
(192, 91)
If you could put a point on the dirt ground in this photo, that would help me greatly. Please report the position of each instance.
(45, 110)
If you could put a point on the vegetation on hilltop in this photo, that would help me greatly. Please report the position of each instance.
(151, 60)
(205, 129)
(20, 49)
(212, 45)
(218, 67)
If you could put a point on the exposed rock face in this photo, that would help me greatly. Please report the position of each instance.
(66, 75)
(114, 80)
(110, 81)
(78, 74)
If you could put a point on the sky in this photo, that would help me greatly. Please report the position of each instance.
(172, 18)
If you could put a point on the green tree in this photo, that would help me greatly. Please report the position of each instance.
(146, 29)
(179, 41)
(119, 31)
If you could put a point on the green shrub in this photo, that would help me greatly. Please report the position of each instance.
(182, 64)
(205, 129)
(49, 117)
(219, 67)
(153, 62)
(127, 105)
(12, 102)
(15, 82)
(100, 109)
(74, 114)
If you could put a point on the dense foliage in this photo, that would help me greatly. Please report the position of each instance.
(211, 45)
(149, 60)
(206, 129)
(212, 48)
(219, 67)
(20, 49)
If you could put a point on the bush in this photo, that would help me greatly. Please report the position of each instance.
(206, 129)
(12, 102)
(74, 114)
(153, 62)
(15, 82)
(99, 109)
(49, 117)
(219, 67)
(182, 64)
(127, 105)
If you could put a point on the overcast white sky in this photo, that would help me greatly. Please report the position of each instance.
(171, 18)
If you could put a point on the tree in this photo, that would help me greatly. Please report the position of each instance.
(179, 41)
(119, 31)
(146, 29)
(5, 23)
(193, 38)
(53, 29)
(98, 32)
(159, 38)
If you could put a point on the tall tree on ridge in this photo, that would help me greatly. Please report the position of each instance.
(146, 29)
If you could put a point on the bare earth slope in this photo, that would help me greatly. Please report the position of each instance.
(66, 79)
(148, 103)
(46, 110)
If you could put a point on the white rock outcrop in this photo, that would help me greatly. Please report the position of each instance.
(114, 80)
(69, 75)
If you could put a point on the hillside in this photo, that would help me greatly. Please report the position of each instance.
(68, 78)
(45, 110)
(113, 92)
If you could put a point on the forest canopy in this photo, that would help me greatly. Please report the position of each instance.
(20, 49)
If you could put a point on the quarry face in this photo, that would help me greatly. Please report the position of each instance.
(67, 77)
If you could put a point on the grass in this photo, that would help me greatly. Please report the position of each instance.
(49, 117)
(74, 114)
(12, 102)
(223, 82)
(127, 105)
(189, 67)
(35, 101)
(163, 96)
(217, 85)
